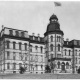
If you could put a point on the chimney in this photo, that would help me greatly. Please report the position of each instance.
(33, 34)
(67, 40)
(38, 35)
(2, 26)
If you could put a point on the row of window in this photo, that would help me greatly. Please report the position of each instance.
(36, 48)
(32, 67)
(20, 46)
(14, 45)
(20, 64)
(16, 33)
(21, 56)
(58, 39)
(58, 56)
(36, 58)
(59, 64)
(51, 47)
(68, 51)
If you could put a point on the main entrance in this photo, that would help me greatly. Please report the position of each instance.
(63, 66)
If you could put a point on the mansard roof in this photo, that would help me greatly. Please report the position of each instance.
(40, 40)
(72, 43)
(53, 26)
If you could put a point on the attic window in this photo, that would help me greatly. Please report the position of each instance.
(22, 34)
(17, 33)
(11, 32)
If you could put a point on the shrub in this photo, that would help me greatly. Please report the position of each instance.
(79, 70)
(22, 70)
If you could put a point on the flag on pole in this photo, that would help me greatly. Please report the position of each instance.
(57, 3)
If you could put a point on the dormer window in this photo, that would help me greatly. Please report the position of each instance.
(17, 33)
(11, 32)
(36, 38)
(22, 34)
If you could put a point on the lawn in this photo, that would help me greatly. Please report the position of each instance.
(39, 76)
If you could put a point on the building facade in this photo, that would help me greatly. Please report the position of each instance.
(18, 48)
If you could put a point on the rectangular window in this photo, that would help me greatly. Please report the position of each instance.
(31, 66)
(19, 56)
(41, 49)
(8, 55)
(79, 54)
(8, 65)
(41, 67)
(76, 52)
(76, 60)
(14, 66)
(7, 43)
(30, 48)
(59, 55)
(79, 61)
(25, 46)
(65, 52)
(14, 43)
(69, 52)
(20, 46)
(51, 56)
(26, 56)
(20, 64)
(36, 67)
(14, 56)
(41, 58)
(36, 48)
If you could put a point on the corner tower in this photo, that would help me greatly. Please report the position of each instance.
(53, 40)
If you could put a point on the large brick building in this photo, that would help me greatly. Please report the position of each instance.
(18, 48)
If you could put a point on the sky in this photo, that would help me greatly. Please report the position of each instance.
(33, 16)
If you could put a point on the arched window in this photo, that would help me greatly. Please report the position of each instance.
(51, 47)
(67, 65)
(57, 38)
(58, 47)
(51, 38)
(20, 45)
(36, 47)
(14, 44)
(58, 65)
(30, 48)
(65, 52)
(25, 45)
(69, 52)
(41, 49)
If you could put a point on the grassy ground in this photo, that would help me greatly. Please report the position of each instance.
(39, 76)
